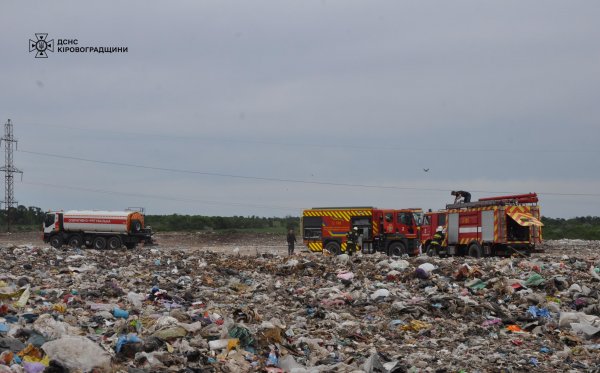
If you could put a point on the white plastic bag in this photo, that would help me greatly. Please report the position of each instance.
(77, 353)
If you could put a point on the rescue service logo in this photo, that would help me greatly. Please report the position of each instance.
(41, 45)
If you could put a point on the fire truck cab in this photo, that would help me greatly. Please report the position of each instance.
(488, 227)
(394, 232)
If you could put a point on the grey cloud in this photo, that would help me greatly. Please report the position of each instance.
(229, 84)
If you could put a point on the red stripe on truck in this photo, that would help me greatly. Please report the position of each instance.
(95, 221)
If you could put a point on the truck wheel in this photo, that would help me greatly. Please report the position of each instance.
(333, 248)
(475, 250)
(130, 245)
(75, 241)
(56, 241)
(396, 249)
(99, 243)
(114, 243)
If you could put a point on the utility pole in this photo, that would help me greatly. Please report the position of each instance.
(9, 169)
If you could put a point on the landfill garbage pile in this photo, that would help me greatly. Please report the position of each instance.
(175, 310)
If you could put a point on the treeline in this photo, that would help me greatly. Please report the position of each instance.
(176, 222)
(30, 219)
(584, 228)
(23, 218)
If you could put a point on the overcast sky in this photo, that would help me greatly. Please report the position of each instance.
(269, 107)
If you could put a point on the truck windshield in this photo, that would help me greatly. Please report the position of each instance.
(49, 219)
(418, 218)
(405, 218)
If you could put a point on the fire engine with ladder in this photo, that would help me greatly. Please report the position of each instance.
(394, 232)
(492, 226)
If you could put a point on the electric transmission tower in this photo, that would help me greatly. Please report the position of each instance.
(9, 169)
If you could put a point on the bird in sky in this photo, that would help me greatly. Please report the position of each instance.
(426, 169)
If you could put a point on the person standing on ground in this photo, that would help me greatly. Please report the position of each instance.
(291, 240)
(352, 241)
(359, 241)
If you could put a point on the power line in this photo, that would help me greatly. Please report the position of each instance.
(167, 198)
(195, 172)
(284, 180)
(329, 145)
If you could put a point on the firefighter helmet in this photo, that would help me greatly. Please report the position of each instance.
(355, 228)
(439, 229)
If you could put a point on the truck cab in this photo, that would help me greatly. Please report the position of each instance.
(398, 231)
(51, 223)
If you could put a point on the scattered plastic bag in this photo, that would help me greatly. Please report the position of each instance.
(427, 267)
(399, 265)
(77, 353)
(125, 339)
(515, 329)
(539, 312)
(380, 294)
(23, 298)
(243, 335)
(50, 328)
(415, 325)
(534, 280)
(345, 276)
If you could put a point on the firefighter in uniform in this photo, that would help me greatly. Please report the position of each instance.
(435, 247)
(352, 241)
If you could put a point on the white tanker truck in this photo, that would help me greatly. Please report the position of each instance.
(96, 229)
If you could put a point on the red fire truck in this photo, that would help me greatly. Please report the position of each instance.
(394, 232)
(488, 227)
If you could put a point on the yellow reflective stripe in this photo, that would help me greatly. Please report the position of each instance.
(315, 246)
(495, 227)
(341, 214)
(525, 219)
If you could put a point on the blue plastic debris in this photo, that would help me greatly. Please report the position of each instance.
(394, 324)
(273, 360)
(119, 313)
(125, 339)
(539, 312)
